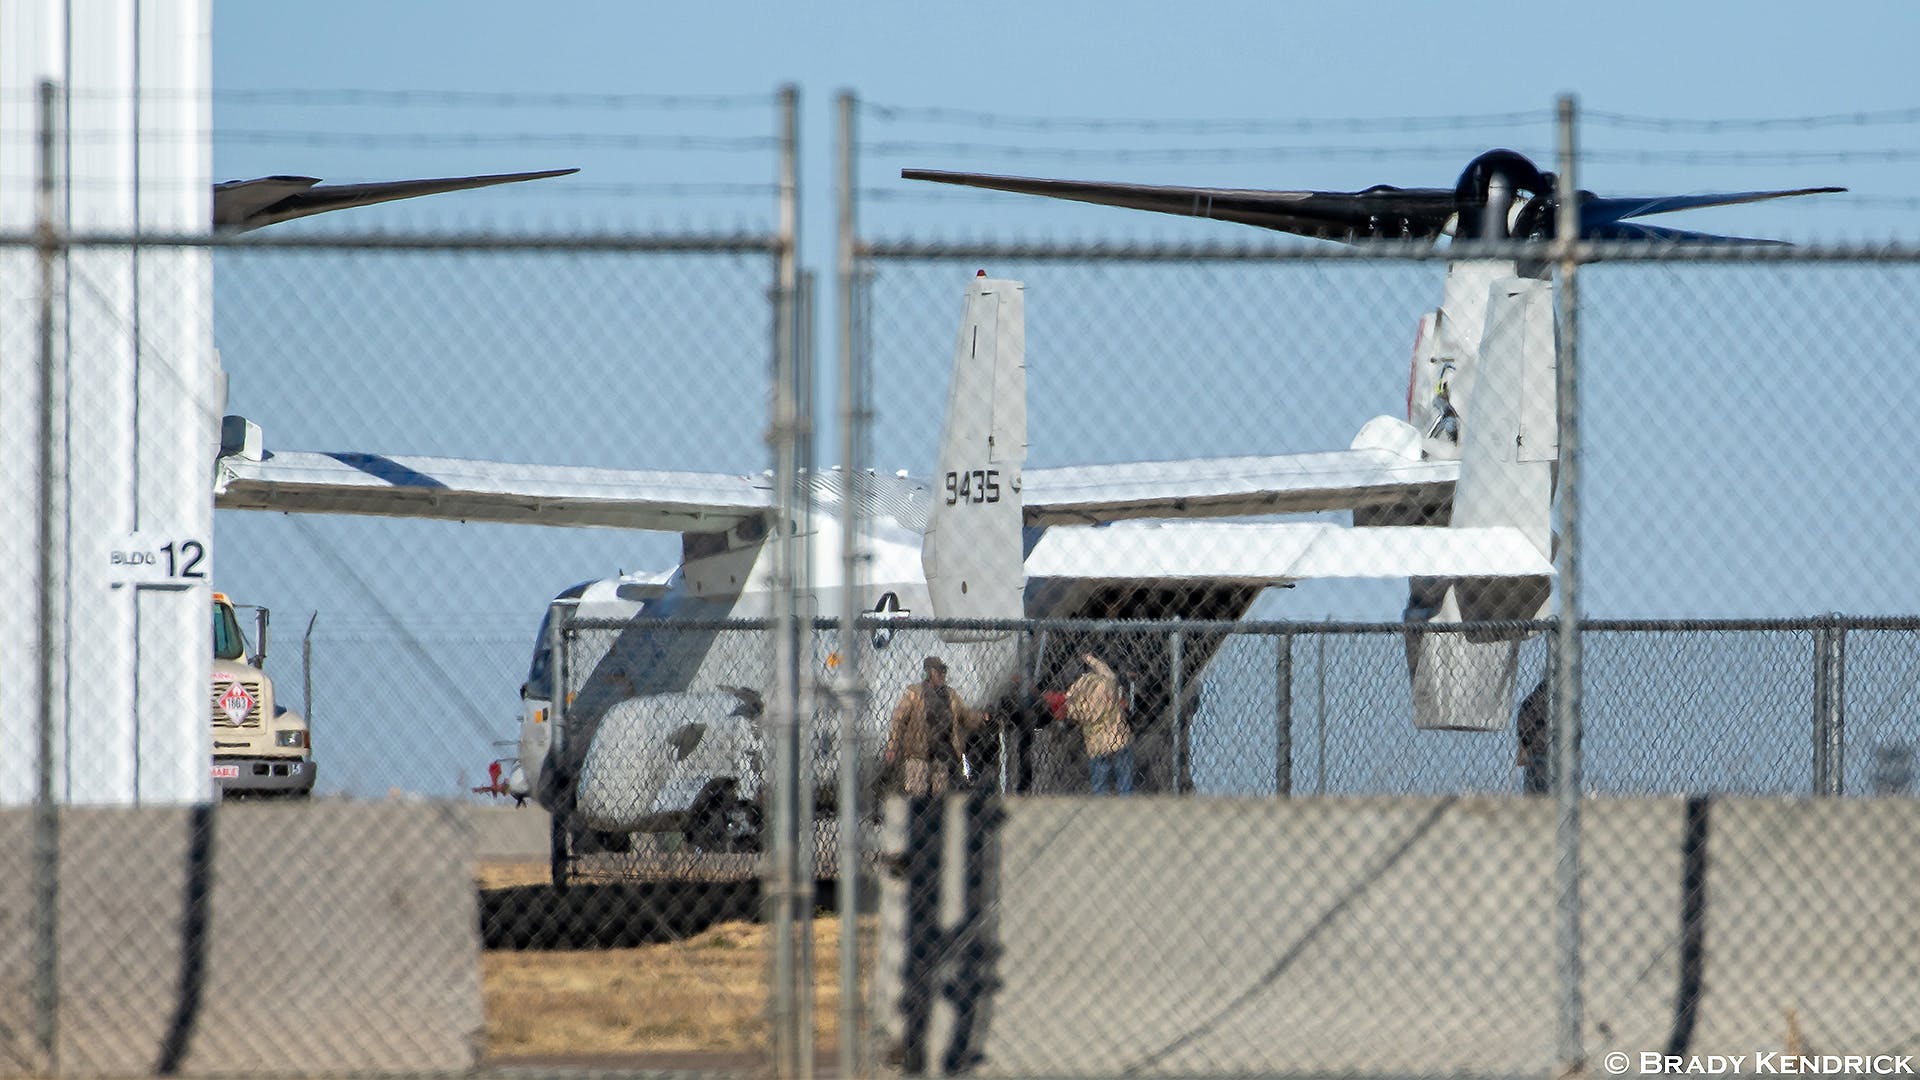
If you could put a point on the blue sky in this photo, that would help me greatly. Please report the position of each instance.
(1735, 469)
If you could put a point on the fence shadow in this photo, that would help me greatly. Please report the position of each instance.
(610, 916)
(619, 915)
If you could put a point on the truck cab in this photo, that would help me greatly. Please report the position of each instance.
(260, 748)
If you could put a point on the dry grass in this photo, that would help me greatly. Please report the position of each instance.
(508, 875)
(707, 993)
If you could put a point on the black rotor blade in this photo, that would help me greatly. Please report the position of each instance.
(1596, 210)
(1633, 230)
(1376, 213)
(249, 204)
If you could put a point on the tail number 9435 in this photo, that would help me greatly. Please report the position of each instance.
(978, 486)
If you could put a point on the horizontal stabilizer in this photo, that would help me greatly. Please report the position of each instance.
(456, 490)
(1234, 487)
(1277, 553)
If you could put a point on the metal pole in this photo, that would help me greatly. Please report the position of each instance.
(1567, 677)
(783, 866)
(554, 774)
(306, 675)
(1822, 674)
(1320, 714)
(558, 696)
(1176, 692)
(805, 834)
(1283, 717)
(1829, 708)
(46, 819)
(854, 419)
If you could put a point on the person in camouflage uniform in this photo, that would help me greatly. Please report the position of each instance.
(928, 737)
(1095, 703)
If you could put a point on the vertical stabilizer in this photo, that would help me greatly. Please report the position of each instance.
(972, 555)
(1447, 353)
(1508, 446)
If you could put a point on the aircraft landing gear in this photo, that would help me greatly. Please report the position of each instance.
(559, 862)
(559, 803)
(720, 821)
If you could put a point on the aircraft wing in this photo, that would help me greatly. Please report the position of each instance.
(1234, 486)
(1277, 553)
(455, 490)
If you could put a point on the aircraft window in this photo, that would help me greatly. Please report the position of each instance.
(538, 685)
(537, 678)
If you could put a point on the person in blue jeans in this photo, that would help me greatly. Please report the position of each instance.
(1094, 702)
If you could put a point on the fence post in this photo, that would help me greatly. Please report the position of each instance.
(558, 634)
(46, 815)
(789, 1043)
(1176, 694)
(1320, 713)
(854, 420)
(1567, 723)
(1283, 716)
(306, 672)
(1829, 708)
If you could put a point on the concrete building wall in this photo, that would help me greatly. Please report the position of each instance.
(135, 414)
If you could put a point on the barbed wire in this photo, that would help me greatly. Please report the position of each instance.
(458, 99)
(1213, 154)
(1206, 126)
(577, 140)
(1881, 118)
(1255, 154)
(687, 189)
(893, 113)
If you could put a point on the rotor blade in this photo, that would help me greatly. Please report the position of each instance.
(1633, 230)
(1594, 210)
(1376, 213)
(249, 204)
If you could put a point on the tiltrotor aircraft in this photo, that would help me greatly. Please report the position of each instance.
(654, 727)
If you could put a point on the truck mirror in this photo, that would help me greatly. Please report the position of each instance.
(260, 619)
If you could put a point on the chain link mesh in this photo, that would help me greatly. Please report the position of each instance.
(1306, 876)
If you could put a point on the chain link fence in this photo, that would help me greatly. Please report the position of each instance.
(1399, 911)
(1363, 832)
(335, 864)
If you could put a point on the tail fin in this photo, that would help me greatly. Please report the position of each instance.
(1509, 443)
(972, 554)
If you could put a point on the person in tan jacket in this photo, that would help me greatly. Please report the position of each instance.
(1095, 703)
(928, 737)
